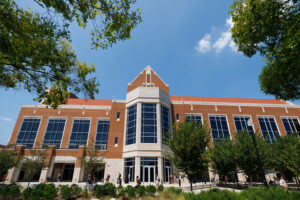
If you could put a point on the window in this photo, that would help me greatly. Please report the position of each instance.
(28, 131)
(268, 128)
(116, 140)
(102, 134)
(80, 132)
(148, 126)
(165, 124)
(118, 116)
(148, 169)
(196, 117)
(54, 132)
(218, 124)
(129, 169)
(291, 124)
(131, 125)
(177, 116)
(241, 123)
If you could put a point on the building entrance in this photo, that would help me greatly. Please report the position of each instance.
(149, 174)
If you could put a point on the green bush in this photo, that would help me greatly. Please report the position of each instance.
(85, 194)
(272, 193)
(110, 189)
(174, 190)
(32, 194)
(76, 190)
(49, 192)
(99, 191)
(160, 188)
(131, 191)
(141, 191)
(66, 191)
(9, 191)
(150, 189)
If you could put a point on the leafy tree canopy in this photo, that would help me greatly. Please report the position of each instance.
(35, 50)
(189, 144)
(222, 157)
(8, 159)
(271, 27)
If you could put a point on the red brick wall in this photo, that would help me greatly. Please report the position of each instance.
(116, 127)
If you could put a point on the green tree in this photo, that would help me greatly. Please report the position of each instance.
(92, 161)
(35, 50)
(245, 153)
(33, 164)
(271, 27)
(8, 159)
(222, 157)
(286, 155)
(189, 144)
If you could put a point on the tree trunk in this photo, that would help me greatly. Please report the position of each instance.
(250, 180)
(191, 185)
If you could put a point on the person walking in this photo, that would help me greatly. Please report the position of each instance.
(90, 183)
(157, 180)
(138, 182)
(119, 180)
(107, 178)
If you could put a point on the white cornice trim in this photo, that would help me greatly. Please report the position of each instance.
(236, 104)
(87, 107)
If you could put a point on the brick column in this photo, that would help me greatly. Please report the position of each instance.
(47, 170)
(78, 171)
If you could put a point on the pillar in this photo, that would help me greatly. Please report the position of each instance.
(13, 173)
(78, 171)
(137, 167)
(160, 168)
(46, 171)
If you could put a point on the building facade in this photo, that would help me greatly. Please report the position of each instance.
(132, 133)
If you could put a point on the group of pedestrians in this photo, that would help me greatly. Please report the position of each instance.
(91, 182)
(279, 182)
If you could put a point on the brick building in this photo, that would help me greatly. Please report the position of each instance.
(130, 132)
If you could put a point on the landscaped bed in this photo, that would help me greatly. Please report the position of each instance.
(150, 192)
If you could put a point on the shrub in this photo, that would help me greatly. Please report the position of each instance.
(110, 189)
(66, 191)
(31, 194)
(131, 191)
(272, 193)
(141, 191)
(99, 191)
(160, 188)
(9, 191)
(174, 190)
(150, 189)
(49, 192)
(76, 190)
(85, 194)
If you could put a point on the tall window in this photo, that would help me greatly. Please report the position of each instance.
(54, 132)
(291, 125)
(168, 169)
(131, 125)
(268, 128)
(102, 134)
(80, 132)
(196, 117)
(165, 124)
(129, 168)
(218, 124)
(241, 123)
(148, 127)
(28, 131)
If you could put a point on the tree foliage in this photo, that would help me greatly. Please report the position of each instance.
(8, 159)
(33, 164)
(189, 144)
(222, 157)
(92, 161)
(35, 50)
(271, 27)
(245, 153)
(286, 155)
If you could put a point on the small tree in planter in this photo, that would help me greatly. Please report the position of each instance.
(91, 161)
(189, 144)
(33, 164)
(8, 159)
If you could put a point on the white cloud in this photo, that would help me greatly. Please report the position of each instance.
(222, 41)
(6, 119)
(204, 45)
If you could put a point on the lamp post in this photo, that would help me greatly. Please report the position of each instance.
(249, 123)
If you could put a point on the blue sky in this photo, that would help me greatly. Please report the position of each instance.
(186, 42)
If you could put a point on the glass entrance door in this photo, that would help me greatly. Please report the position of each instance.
(148, 174)
(129, 174)
(167, 174)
